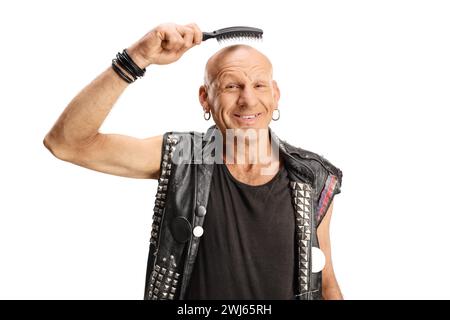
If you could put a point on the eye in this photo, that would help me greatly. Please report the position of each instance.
(232, 86)
(260, 85)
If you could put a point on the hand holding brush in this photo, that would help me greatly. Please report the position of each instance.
(168, 42)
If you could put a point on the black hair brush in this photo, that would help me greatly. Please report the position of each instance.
(233, 33)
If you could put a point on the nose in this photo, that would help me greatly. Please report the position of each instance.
(247, 97)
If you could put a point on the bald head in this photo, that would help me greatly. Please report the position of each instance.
(240, 54)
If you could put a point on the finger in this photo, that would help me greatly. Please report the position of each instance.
(198, 34)
(189, 38)
(173, 40)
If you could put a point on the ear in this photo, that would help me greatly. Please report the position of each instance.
(203, 98)
(276, 93)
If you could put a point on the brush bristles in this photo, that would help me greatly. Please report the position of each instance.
(239, 36)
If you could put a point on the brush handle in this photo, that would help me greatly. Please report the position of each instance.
(233, 32)
(208, 35)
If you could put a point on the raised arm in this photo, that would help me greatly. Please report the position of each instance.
(75, 136)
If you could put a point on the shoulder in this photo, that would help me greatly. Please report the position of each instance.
(193, 139)
(327, 178)
(319, 162)
(183, 147)
(189, 136)
(322, 168)
(181, 137)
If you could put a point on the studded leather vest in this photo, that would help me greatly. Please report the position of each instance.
(181, 202)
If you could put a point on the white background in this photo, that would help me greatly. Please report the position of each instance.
(364, 83)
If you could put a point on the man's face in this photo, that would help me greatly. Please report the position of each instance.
(242, 93)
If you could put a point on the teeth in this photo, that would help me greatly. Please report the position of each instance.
(248, 117)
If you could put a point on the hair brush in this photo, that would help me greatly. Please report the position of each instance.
(233, 33)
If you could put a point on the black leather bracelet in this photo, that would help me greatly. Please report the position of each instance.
(120, 72)
(126, 67)
(140, 72)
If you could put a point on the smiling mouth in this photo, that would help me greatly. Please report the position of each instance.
(247, 117)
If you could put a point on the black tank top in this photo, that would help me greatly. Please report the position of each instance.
(247, 249)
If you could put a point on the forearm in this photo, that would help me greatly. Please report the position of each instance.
(81, 120)
(330, 286)
(84, 115)
(332, 293)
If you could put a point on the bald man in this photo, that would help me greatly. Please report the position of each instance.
(227, 229)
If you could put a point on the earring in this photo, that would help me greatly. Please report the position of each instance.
(278, 115)
(207, 115)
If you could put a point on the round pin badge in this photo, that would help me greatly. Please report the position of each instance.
(317, 260)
